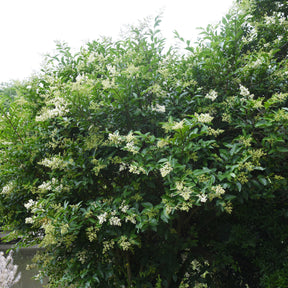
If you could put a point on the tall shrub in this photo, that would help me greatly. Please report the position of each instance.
(134, 166)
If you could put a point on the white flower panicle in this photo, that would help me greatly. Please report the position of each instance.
(158, 108)
(8, 188)
(124, 243)
(60, 109)
(202, 198)
(8, 271)
(30, 204)
(123, 166)
(47, 186)
(130, 147)
(219, 190)
(131, 218)
(115, 138)
(204, 117)
(55, 163)
(29, 220)
(166, 169)
(131, 70)
(245, 92)
(136, 170)
(183, 191)
(179, 185)
(186, 193)
(161, 143)
(178, 125)
(124, 207)
(108, 84)
(115, 221)
(102, 217)
(212, 95)
(130, 137)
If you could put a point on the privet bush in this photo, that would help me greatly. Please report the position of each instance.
(136, 166)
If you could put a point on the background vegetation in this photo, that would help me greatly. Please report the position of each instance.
(134, 165)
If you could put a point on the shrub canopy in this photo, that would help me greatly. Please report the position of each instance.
(134, 165)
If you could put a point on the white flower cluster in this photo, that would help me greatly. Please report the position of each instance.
(276, 15)
(102, 217)
(107, 245)
(94, 56)
(47, 186)
(115, 138)
(8, 188)
(29, 220)
(219, 190)
(130, 137)
(161, 143)
(178, 125)
(8, 271)
(204, 117)
(131, 147)
(186, 193)
(158, 108)
(108, 84)
(30, 204)
(183, 190)
(136, 170)
(131, 70)
(245, 92)
(81, 78)
(115, 221)
(124, 243)
(60, 109)
(202, 197)
(123, 166)
(54, 163)
(166, 169)
(124, 207)
(212, 95)
(257, 63)
(131, 218)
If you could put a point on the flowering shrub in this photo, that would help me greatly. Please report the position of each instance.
(136, 167)
(8, 271)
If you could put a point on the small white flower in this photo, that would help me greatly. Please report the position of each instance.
(219, 190)
(212, 95)
(60, 109)
(166, 169)
(131, 147)
(29, 220)
(115, 138)
(115, 221)
(131, 218)
(8, 188)
(29, 204)
(124, 207)
(204, 117)
(186, 193)
(124, 243)
(123, 167)
(130, 137)
(245, 92)
(179, 185)
(178, 125)
(202, 198)
(158, 108)
(102, 218)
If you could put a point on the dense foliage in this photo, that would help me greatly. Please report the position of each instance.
(137, 166)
